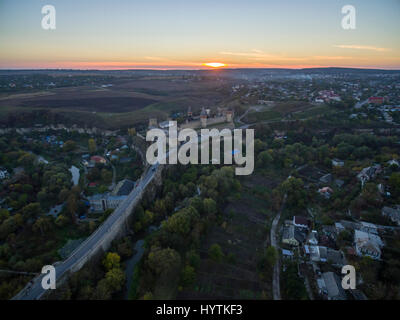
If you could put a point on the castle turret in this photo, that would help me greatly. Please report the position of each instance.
(229, 116)
(203, 118)
(152, 123)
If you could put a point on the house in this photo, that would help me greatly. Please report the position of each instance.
(369, 173)
(301, 222)
(102, 202)
(317, 253)
(288, 236)
(333, 285)
(376, 100)
(312, 238)
(4, 174)
(392, 214)
(393, 162)
(369, 227)
(123, 188)
(337, 163)
(367, 244)
(327, 178)
(326, 192)
(339, 183)
(339, 227)
(287, 254)
(335, 258)
(98, 159)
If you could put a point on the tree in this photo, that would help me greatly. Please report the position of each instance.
(31, 210)
(394, 183)
(92, 145)
(188, 275)
(210, 206)
(69, 146)
(106, 175)
(115, 279)
(215, 252)
(112, 260)
(163, 260)
(42, 224)
(132, 132)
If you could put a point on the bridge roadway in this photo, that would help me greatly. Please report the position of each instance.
(34, 291)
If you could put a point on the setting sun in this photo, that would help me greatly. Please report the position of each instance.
(215, 64)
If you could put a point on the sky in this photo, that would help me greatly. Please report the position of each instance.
(186, 34)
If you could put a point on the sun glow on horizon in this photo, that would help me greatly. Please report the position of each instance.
(214, 64)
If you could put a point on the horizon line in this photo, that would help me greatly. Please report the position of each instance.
(198, 69)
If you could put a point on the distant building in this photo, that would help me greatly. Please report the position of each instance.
(123, 188)
(4, 174)
(392, 213)
(288, 236)
(326, 192)
(333, 285)
(102, 202)
(337, 163)
(369, 173)
(376, 100)
(98, 159)
(301, 222)
(327, 178)
(367, 244)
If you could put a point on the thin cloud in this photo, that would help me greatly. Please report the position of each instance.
(360, 47)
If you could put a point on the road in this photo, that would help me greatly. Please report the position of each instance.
(36, 291)
(276, 288)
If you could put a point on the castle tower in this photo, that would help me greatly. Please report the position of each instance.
(189, 112)
(229, 116)
(203, 118)
(152, 123)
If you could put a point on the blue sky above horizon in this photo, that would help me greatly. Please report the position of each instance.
(120, 34)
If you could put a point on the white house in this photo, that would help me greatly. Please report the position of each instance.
(367, 244)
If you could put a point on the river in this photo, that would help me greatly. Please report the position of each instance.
(75, 175)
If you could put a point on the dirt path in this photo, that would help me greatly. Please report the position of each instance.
(276, 290)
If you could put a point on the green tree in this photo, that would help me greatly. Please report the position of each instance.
(112, 260)
(215, 252)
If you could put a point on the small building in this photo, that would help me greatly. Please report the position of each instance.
(326, 192)
(376, 100)
(339, 227)
(367, 244)
(123, 188)
(312, 238)
(327, 178)
(392, 213)
(98, 159)
(333, 285)
(368, 227)
(102, 202)
(4, 174)
(301, 222)
(288, 236)
(337, 163)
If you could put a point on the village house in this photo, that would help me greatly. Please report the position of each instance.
(392, 213)
(369, 173)
(4, 174)
(332, 284)
(367, 244)
(337, 163)
(301, 222)
(326, 192)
